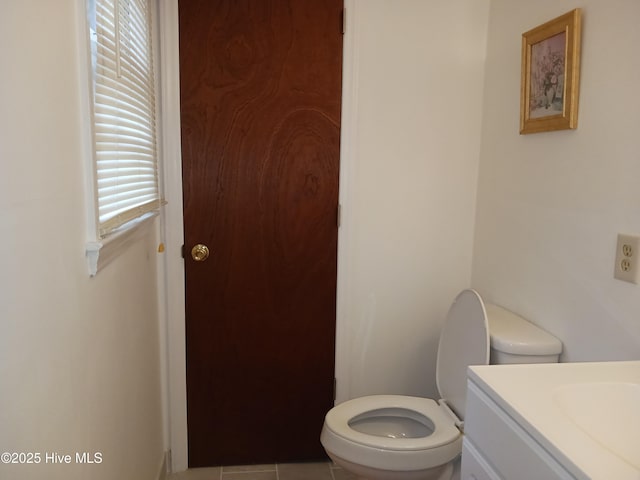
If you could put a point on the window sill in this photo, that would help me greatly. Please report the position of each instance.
(101, 253)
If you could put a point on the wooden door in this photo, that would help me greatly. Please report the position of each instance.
(260, 112)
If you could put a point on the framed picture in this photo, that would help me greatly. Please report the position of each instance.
(551, 75)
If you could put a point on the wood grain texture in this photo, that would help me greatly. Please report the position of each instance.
(260, 112)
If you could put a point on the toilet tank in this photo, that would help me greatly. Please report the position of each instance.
(516, 340)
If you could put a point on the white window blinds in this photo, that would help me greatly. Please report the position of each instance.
(124, 111)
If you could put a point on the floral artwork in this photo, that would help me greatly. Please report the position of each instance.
(547, 77)
(550, 85)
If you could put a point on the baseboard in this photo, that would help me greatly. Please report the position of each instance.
(165, 466)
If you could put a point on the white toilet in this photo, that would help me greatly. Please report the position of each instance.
(396, 437)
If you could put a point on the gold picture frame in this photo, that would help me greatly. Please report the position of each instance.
(551, 75)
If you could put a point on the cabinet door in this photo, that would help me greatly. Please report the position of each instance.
(513, 453)
(474, 467)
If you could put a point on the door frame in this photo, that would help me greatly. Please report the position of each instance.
(172, 307)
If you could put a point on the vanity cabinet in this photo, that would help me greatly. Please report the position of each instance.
(496, 447)
(554, 421)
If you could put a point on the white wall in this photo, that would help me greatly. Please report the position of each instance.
(79, 357)
(411, 136)
(551, 204)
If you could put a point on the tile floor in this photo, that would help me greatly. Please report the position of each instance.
(280, 471)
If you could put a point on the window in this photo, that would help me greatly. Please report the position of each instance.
(124, 112)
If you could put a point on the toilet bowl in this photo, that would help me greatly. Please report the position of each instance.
(397, 437)
(392, 436)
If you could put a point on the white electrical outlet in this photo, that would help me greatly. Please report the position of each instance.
(627, 258)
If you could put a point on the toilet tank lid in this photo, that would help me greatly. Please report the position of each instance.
(510, 333)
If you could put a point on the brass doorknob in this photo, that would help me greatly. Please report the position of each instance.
(200, 252)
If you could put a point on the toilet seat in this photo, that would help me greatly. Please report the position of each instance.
(445, 431)
(437, 448)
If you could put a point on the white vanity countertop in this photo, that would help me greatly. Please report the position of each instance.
(541, 397)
